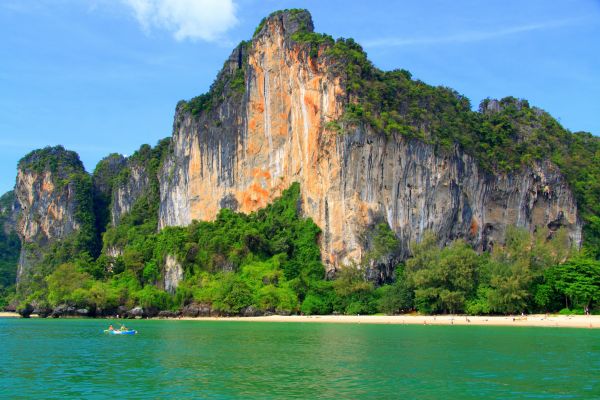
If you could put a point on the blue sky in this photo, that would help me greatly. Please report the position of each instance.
(104, 76)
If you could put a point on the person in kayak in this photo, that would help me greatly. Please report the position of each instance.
(123, 328)
(110, 328)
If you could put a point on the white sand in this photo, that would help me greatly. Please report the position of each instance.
(564, 321)
(4, 314)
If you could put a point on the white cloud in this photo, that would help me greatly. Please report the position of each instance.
(186, 19)
(466, 37)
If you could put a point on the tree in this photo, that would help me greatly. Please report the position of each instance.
(578, 280)
(65, 284)
(397, 297)
(443, 279)
(509, 287)
(511, 275)
(384, 243)
(517, 270)
(354, 294)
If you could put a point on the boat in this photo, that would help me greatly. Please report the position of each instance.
(120, 332)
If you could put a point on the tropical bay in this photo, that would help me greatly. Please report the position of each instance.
(44, 358)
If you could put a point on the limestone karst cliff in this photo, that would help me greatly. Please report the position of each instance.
(292, 106)
(54, 195)
(124, 195)
(274, 128)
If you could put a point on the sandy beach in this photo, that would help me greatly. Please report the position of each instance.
(4, 314)
(562, 321)
(541, 320)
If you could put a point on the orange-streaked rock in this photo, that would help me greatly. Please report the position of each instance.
(275, 135)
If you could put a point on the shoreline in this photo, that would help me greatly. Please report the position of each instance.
(7, 314)
(535, 320)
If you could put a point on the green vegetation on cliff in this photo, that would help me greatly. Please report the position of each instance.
(142, 220)
(270, 257)
(56, 159)
(269, 261)
(10, 247)
(71, 185)
(104, 177)
(230, 83)
(530, 273)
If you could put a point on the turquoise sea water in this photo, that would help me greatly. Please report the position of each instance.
(193, 359)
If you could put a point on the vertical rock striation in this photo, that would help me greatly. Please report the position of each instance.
(127, 192)
(250, 141)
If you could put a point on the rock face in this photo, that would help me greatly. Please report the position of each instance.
(104, 177)
(125, 194)
(106, 171)
(65, 310)
(244, 151)
(197, 310)
(172, 274)
(9, 212)
(136, 312)
(47, 195)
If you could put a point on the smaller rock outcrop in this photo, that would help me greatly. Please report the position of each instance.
(25, 310)
(136, 312)
(250, 311)
(9, 212)
(197, 310)
(169, 314)
(172, 274)
(42, 311)
(54, 195)
(141, 312)
(66, 310)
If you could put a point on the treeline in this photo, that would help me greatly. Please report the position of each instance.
(530, 273)
(269, 262)
(10, 247)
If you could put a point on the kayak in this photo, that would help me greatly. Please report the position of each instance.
(118, 332)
